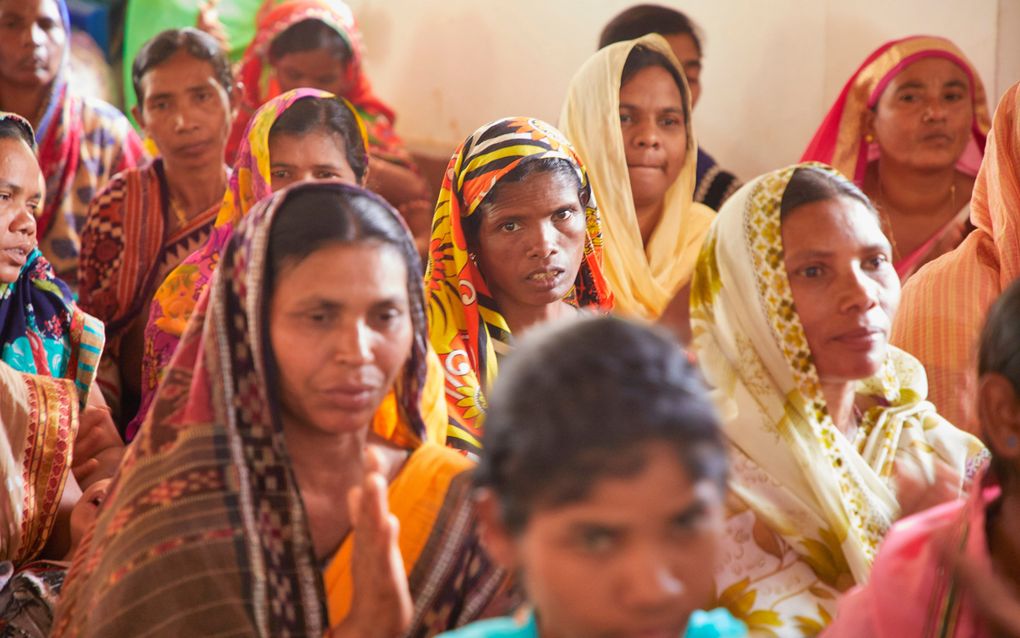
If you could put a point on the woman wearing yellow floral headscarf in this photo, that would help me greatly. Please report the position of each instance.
(831, 438)
(628, 114)
(516, 240)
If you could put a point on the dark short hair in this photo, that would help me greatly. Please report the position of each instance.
(15, 128)
(1000, 339)
(197, 44)
(314, 215)
(329, 115)
(310, 35)
(810, 184)
(643, 19)
(579, 401)
(641, 57)
(529, 166)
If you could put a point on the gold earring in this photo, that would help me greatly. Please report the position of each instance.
(869, 138)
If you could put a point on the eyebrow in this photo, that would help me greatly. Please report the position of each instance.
(668, 109)
(11, 186)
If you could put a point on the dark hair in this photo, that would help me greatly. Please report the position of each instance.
(330, 115)
(317, 214)
(197, 44)
(649, 18)
(15, 128)
(578, 401)
(529, 166)
(1000, 339)
(641, 57)
(810, 184)
(310, 35)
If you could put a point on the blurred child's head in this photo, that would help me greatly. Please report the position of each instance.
(602, 479)
(999, 384)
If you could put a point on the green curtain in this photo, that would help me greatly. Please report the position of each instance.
(144, 19)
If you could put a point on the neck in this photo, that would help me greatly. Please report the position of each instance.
(648, 216)
(326, 461)
(839, 398)
(522, 318)
(1003, 541)
(912, 192)
(196, 190)
(26, 101)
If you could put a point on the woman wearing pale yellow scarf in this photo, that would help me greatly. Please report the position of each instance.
(628, 115)
(791, 306)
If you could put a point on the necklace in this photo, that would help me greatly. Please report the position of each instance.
(179, 214)
(883, 207)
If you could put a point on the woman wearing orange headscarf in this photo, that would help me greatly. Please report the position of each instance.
(944, 305)
(909, 129)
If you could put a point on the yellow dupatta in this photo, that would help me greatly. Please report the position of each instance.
(643, 279)
(809, 506)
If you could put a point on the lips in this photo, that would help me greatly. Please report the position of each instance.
(192, 150)
(351, 396)
(17, 254)
(863, 338)
(939, 138)
(545, 278)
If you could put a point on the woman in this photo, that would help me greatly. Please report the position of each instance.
(82, 142)
(302, 134)
(628, 113)
(831, 438)
(254, 489)
(944, 305)
(516, 241)
(713, 184)
(909, 128)
(951, 571)
(42, 330)
(316, 43)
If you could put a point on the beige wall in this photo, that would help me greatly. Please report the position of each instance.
(772, 67)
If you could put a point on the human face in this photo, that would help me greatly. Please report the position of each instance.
(635, 557)
(923, 118)
(83, 515)
(531, 241)
(341, 331)
(316, 155)
(186, 111)
(31, 42)
(686, 51)
(844, 286)
(654, 133)
(315, 69)
(21, 196)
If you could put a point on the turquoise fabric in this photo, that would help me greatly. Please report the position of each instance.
(717, 623)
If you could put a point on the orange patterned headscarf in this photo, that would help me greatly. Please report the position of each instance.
(463, 317)
(943, 306)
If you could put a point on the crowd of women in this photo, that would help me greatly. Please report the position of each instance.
(258, 380)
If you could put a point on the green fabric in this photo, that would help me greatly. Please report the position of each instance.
(144, 19)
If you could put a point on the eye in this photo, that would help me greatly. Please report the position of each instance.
(4, 196)
(563, 215)
(954, 96)
(279, 173)
(161, 105)
(908, 98)
(811, 272)
(876, 261)
(597, 541)
(202, 96)
(671, 121)
(509, 227)
(325, 174)
(625, 118)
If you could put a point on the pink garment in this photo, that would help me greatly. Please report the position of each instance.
(911, 593)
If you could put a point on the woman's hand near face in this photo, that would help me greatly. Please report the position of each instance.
(915, 493)
(98, 447)
(382, 605)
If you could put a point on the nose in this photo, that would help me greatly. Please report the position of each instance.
(23, 223)
(935, 110)
(542, 243)
(184, 120)
(651, 583)
(352, 343)
(858, 291)
(646, 134)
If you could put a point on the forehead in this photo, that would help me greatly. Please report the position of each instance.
(840, 222)
(314, 148)
(684, 47)
(30, 9)
(178, 73)
(652, 84)
(18, 164)
(535, 195)
(934, 70)
(354, 274)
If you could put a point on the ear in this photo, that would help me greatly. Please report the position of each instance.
(496, 538)
(999, 413)
(868, 123)
(136, 112)
(236, 95)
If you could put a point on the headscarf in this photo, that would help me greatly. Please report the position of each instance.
(205, 508)
(840, 140)
(463, 318)
(644, 279)
(275, 17)
(42, 330)
(943, 306)
(829, 498)
(82, 144)
(175, 299)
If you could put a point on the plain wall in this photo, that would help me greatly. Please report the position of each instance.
(771, 68)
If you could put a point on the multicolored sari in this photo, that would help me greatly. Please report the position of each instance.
(943, 306)
(275, 17)
(841, 141)
(42, 330)
(808, 506)
(175, 299)
(126, 252)
(644, 279)
(206, 516)
(465, 325)
(82, 144)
